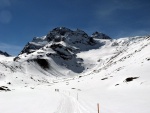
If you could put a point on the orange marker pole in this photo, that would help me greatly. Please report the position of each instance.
(98, 107)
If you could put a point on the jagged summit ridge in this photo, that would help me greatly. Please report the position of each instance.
(67, 35)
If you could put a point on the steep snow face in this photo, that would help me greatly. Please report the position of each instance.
(35, 44)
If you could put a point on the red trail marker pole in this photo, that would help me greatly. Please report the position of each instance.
(98, 107)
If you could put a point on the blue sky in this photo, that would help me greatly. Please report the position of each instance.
(21, 20)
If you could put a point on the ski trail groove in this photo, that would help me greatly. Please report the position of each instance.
(69, 104)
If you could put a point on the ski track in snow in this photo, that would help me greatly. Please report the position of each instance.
(69, 104)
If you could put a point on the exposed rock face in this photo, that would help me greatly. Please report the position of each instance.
(4, 53)
(100, 35)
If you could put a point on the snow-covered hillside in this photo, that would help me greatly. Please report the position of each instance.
(68, 71)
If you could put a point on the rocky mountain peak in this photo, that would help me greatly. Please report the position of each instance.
(78, 39)
(99, 35)
(4, 53)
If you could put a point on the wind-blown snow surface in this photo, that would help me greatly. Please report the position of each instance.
(116, 75)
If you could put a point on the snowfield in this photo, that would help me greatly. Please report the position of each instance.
(116, 75)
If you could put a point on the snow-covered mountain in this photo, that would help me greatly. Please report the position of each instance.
(62, 45)
(76, 41)
(86, 70)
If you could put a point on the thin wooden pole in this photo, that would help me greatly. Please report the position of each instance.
(77, 96)
(98, 107)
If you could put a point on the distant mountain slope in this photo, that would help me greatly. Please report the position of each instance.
(4, 53)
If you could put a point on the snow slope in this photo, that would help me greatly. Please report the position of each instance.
(114, 74)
